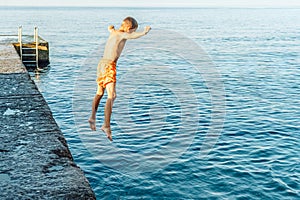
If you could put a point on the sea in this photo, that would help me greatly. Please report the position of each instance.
(207, 102)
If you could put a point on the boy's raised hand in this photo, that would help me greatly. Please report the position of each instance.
(111, 28)
(147, 29)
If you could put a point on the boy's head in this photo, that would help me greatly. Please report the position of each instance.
(129, 24)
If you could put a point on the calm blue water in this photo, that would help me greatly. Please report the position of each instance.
(257, 55)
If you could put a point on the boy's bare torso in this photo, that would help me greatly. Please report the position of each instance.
(114, 45)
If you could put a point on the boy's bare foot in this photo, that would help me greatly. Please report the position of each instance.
(92, 124)
(108, 132)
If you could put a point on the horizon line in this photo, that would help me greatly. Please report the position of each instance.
(189, 7)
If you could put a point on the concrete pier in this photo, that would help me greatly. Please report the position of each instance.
(35, 162)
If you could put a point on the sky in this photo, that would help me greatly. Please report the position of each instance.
(156, 3)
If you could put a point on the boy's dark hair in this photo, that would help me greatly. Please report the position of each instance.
(131, 22)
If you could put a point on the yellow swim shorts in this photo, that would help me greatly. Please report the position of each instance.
(106, 72)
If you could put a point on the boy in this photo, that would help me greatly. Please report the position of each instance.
(106, 71)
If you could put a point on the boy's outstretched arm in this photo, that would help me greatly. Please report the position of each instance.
(135, 35)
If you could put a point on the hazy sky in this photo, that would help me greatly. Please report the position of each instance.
(148, 3)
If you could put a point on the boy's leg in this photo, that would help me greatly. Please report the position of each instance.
(95, 105)
(111, 96)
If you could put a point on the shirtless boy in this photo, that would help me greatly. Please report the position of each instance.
(106, 71)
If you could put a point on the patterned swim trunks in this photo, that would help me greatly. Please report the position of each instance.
(106, 72)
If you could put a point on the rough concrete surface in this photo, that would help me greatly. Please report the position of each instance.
(10, 61)
(35, 162)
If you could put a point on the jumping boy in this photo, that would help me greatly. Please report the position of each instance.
(106, 71)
